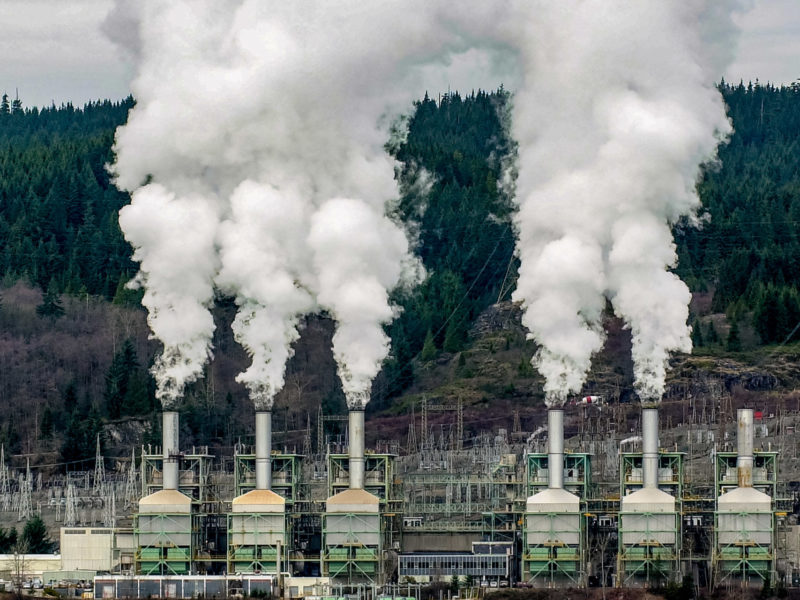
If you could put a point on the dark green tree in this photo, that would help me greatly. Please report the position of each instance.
(35, 536)
(712, 337)
(70, 398)
(9, 438)
(697, 334)
(734, 342)
(16, 106)
(46, 424)
(122, 369)
(8, 540)
(429, 350)
(124, 296)
(5, 107)
(72, 446)
(51, 306)
(455, 334)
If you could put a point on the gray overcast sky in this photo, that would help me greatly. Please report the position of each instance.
(53, 50)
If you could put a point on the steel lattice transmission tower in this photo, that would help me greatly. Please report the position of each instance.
(130, 482)
(99, 470)
(5, 484)
(25, 503)
(71, 510)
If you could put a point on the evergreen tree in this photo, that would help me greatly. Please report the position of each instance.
(697, 335)
(733, 343)
(712, 337)
(16, 106)
(5, 107)
(70, 398)
(454, 336)
(9, 438)
(46, 424)
(35, 536)
(124, 296)
(8, 540)
(51, 306)
(72, 446)
(428, 348)
(122, 368)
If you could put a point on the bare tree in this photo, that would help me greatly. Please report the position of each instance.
(20, 565)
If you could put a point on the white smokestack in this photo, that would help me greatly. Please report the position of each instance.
(744, 447)
(263, 450)
(169, 437)
(555, 456)
(650, 447)
(356, 449)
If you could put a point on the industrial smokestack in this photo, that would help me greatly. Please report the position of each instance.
(356, 448)
(555, 456)
(744, 447)
(263, 449)
(169, 437)
(650, 447)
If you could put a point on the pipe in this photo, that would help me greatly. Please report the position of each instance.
(744, 447)
(263, 449)
(169, 437)
(555, 456)
(650, 447)
(357, 449)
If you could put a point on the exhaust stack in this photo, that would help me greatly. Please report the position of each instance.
(263, 450)
(169, 437)
(650, 447)
(555, 451)
(744, 447)
(357, 449)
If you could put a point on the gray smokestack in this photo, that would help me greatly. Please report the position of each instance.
(744, 447)
(555, 455)
(169, 437)
(263, 449)
(650, 447)
(357, 449)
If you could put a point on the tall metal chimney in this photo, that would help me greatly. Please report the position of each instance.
(650, 447)
(263, 449)
(744, 447)
(357, 448)
(169, 437)
(555, 454)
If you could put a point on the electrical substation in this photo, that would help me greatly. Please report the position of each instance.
(586, 500)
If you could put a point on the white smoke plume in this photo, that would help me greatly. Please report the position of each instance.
(359, 255)
(262, 247)
(178, 261)
(617, 110)
(275, 116)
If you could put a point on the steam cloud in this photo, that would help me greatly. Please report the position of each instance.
(256, 161)
(274, 121)
(263, 256)
(617, 111)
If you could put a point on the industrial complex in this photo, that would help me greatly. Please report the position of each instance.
(602, 506)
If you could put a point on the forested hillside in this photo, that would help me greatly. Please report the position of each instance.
(58, 209)
(73, 347)
(465, 236)
(748, 251)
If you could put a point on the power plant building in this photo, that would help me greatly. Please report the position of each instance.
(550, 510)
